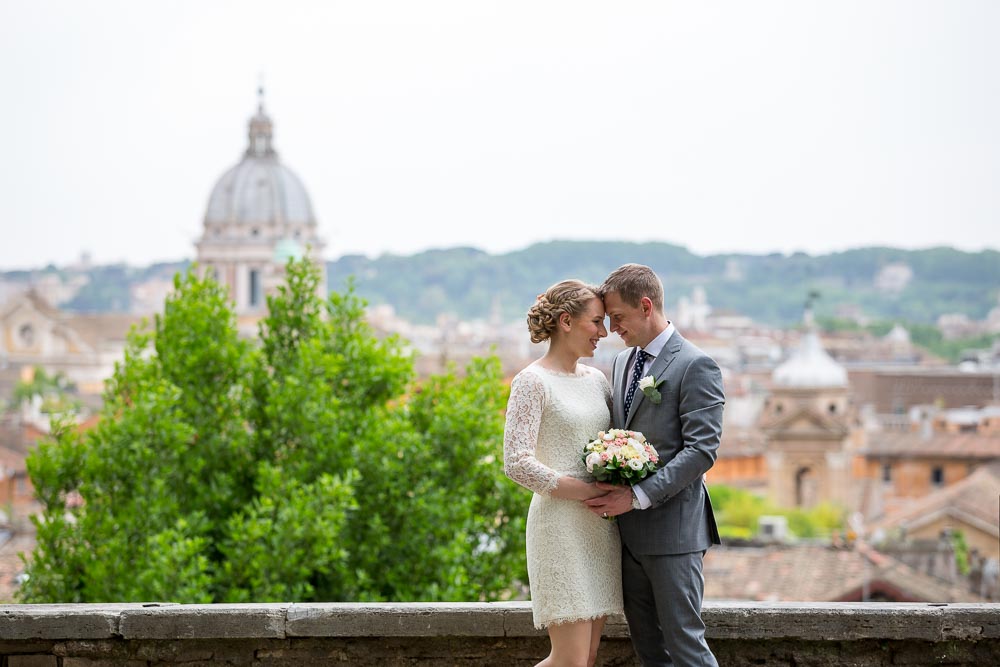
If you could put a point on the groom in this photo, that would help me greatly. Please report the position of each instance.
(666, 521)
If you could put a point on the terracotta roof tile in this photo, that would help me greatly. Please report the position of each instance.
(815, 573)
(101, 328)
(974, 497)
(938, 445)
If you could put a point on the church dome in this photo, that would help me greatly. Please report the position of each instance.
(898, 336)
(258, 217)
(810, 366)
(260, 190)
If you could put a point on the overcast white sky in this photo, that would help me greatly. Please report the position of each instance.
(721, 126)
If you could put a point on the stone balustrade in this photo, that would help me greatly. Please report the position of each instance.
(442, 634)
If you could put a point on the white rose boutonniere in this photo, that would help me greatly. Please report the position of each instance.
(650, 387)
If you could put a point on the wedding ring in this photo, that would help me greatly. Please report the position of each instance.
(605, 515)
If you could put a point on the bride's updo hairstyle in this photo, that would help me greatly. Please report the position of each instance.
(568, 296)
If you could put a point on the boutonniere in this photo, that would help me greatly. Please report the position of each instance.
(650, 387)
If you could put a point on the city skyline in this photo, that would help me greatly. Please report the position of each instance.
(779, 127)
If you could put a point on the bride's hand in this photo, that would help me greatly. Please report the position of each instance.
(571, 488)
(593, 491)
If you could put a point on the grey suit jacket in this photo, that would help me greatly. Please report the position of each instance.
(685, 429)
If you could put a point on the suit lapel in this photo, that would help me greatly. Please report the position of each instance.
(667, 355)
(657, 369)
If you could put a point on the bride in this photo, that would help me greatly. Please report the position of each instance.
(556, 406)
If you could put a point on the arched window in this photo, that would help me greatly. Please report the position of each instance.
(26, 334)
(805, 487)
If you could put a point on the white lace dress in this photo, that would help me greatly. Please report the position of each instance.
(574, 556)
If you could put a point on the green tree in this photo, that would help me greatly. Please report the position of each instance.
(304, 466)
(738, 512)
(435, 481)
(132, 510)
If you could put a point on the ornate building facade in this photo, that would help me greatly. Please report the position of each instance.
(807, 426)
(82, 346)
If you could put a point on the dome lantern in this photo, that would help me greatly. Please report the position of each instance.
(260, 131)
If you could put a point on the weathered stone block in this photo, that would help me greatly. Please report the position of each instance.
(517, 620)
(936, 653)
(103, 662)
(220, 621)
(847, 621)
(172, 651)
(237, 652)
(60, 621)
(17, 647)
(85, 648)
(32, 661)
(394, 620)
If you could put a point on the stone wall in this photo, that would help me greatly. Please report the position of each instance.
(425, 634)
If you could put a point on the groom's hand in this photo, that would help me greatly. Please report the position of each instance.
(617, 501)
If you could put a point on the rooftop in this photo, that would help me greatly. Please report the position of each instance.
(972, 499)
(818, 573)
(912, 444)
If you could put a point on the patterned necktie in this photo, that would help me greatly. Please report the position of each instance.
(640, 362)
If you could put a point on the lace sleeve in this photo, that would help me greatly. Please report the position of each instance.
(520, 435)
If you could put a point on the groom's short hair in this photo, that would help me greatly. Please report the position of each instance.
(632, 282)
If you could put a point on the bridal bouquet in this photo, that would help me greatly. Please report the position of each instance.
(620, 457)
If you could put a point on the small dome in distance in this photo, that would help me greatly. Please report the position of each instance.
(898, 336)
(810, 367)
